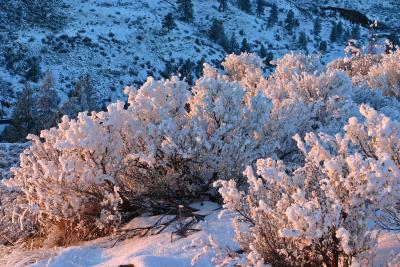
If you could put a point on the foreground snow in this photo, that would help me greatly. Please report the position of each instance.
(163, 250)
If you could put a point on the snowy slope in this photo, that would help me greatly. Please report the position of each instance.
(120, 43)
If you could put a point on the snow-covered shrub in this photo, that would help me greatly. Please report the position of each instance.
(229, 125)
(356, 63)
(180, 138)
(374, 71)
(170, 142)
(247, 70)
(385, 76)
(306, 97)
(167, 144)
(65, 185)
(320, 213)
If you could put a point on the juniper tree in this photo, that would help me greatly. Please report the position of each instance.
(186, 70)
(269, 58)
(334, 34)
(81, 98)
(185, 8)
(355, 32)
(223, 4)
(303, 40)
(85, 92)
(263, 52)
(199, 67)
(290, 22)
(23, 116)
(339, 29)
(33, 73)
(245, 5)
(323, 46)
(273, 17)
(245, 46)
(265, 55)
(169, 22)
(317, 27)
(48, 101)
(260, 7)
(223, 40)
(169, 70)
(215, 30)
(233, 44)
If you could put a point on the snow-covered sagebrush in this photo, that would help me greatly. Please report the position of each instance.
(375, 71)
(167, 144)
(321, 212)
(170, 142)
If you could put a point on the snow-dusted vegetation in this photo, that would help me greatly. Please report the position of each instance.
(307, 161)
(199, 133)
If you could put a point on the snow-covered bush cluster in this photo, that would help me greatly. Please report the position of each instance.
(376, 71)
(320, 212)
(167, 144)
(171, 141)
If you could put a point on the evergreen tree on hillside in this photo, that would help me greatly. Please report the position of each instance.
(47, 104)
(245, 5)
(273, 17)
(86, 94)
(290, 22)
(186, 70)
(169, 22)
(185, 8)
(217, 34)
(223, 40)
(82, 98)
(265, 55)
(233, 44)
(355, 32)
(168, 71)
(303, 40)
(334, 34)
(263, 52)
(269, 58)
(23, 115)
(223, 5)
(339, 29)
(198, 70)
(245, 46)
(216, 30)
(317, 27)
(33, 73)
(260, 7)
(323, 46)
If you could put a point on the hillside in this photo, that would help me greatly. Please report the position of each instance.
(120, 43)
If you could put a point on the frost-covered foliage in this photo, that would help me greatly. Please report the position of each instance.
(385, 76)
(62, 188)
(306, 97)
(171, 141)
(166, 144)
(321, 212)
(375, 71)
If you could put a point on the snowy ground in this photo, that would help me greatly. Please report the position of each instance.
(161, 250)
